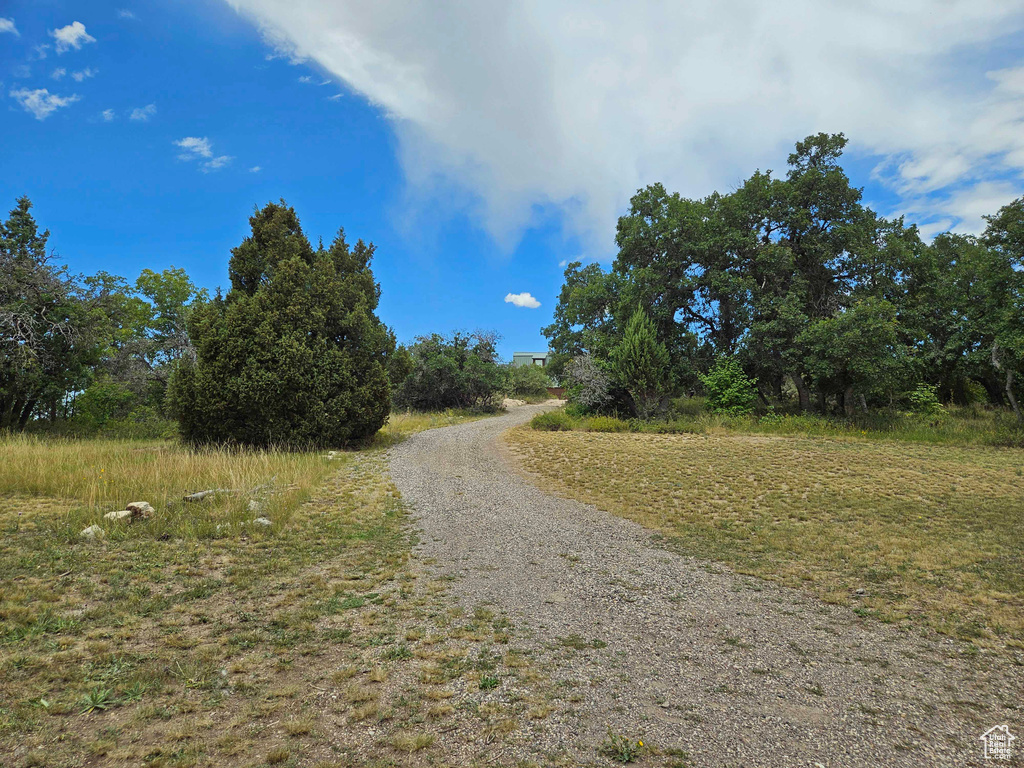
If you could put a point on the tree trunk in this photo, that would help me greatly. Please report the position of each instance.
(25, 413)
(822, 403)
(993, 390)
(848, 402)
(863, 403)
(801, 391)
(1010, 376)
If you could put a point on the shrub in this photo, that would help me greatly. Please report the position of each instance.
(553, 421)
(923, 399)
(641, 364)
(729, 390)
(688, 407)
(526, 381)
(294, 354)
(103, 401)
(457, 371)
(588, 386)
(605, 424)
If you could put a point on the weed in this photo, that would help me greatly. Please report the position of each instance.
(96, 699)
(621, 749)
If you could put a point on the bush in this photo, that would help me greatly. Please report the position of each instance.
(588, 387)
(294, 354)
(688, 407)
(457, 371)
(101, 402)
(923, 399)
(526, 381)
(606, 424)
(729, 390)
(553, 421)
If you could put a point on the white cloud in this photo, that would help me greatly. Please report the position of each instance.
(40, 102)
(306, 79)
(7, 25)
(523, 299)
(71, 37)
(200, 149)
(58, 73)
(255, 169)
(142, 114)
(83, 74)
(39, 52)
(107, 115)
(124, 13)
(538, 107)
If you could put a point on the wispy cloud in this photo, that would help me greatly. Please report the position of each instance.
(39, 52)
(598, 99)
(255, 169)
(124, 13)
(58, 73)
(40, 103)
(108, 115)
(142, 114)
(73, 36)
(7, 25)
(306, 79)
(200, 149)
(83, 74)
(523, 299)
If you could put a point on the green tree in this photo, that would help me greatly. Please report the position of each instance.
(728, 389)
(51, 324)
(1005, 282)
(641, 364)
(294, 354)
(526, 381)
(856, 354)
(456, 371)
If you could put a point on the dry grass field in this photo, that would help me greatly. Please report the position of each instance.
(905, 532)
(198, 638)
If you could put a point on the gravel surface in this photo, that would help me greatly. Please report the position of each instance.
(684, 654)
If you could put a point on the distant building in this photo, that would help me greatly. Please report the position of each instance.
(530, 358)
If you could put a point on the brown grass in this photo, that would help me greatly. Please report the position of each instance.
(932, 534)
(174, 643)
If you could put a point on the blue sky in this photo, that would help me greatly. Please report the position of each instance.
(480, 146)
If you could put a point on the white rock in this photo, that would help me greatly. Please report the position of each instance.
(254, 505)
(261, 521)
(140, 509)
(120, 514)
(93, 532)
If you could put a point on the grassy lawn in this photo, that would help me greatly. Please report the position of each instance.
(932, 534)
(200, 638)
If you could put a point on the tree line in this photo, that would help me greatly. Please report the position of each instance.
(293, 353)
(795, 285)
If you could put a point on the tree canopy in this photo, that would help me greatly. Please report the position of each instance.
(294, 354)
(808, 290)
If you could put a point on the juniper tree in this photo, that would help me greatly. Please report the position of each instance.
(294, 353)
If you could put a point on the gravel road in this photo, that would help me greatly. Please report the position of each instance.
(686, 654)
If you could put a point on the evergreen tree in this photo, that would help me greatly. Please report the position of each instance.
(294, 354)
(641, 364)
